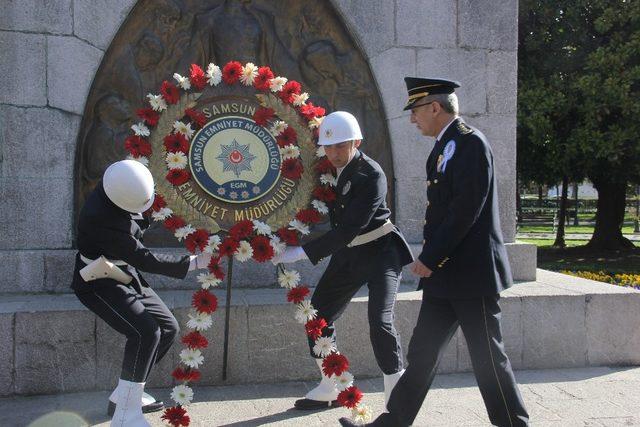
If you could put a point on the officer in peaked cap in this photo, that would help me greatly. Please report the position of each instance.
(463, 264)
(108, 282)
(367, 249)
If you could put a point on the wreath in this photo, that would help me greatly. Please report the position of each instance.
(161, 140)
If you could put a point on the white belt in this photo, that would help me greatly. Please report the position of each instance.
(372, 235)
(112, 261)
(102, 268)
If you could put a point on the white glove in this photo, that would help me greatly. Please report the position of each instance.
(291, 254)
(199, 261)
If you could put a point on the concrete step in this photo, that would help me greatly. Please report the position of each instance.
(50, 270)
(51, 343)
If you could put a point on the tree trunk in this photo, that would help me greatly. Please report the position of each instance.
(539, 196)
(610, 217)
(518, 203)
(576, 222)
(562, 217)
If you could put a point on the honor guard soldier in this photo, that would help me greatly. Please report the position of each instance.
(365, 248)
(463, 265)
(108, 282)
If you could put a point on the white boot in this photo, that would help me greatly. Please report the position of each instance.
(390, 382)
(322, 396)
(128, 396)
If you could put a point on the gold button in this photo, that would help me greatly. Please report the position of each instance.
(342, 206)
(428, 203)
(425, 222)
(435, 181)
(424, 241)
(428, 183)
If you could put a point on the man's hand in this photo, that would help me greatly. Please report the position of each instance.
(291, 254)
(419, 269)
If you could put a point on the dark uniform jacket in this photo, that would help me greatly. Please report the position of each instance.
(463, 243)
(359, 207)
(105, 229)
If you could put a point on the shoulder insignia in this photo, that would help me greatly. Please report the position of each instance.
(463, 128)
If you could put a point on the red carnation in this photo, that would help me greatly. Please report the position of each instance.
(263, 115)
(262, 249)
(173, 223)
(241, 230)
(288, 236)
(190, 375)
(195, 340)
(325, 166)
(197, 77)
(335, 364)
(196, 117)
(176, 416)
(137, 146)
(158, 203)
(169, 92)
(197, 240)
(297, 294)
(178, 176)
(288, 90)
(228, 246)
(314, 327)
(262, 80)
(149, 116)
(176, 142)
(309, 111)
(204, 301)
(215, 269)
(292, 168)
(231, 72)
(350, 397)
(287, 137)
(324, 194)
(309, 216)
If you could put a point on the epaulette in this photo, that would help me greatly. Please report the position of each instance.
(463, 128)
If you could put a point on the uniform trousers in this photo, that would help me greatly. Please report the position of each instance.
(378, 265)
(438, 320)
(143, 318)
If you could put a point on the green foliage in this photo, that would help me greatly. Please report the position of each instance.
(579, 81)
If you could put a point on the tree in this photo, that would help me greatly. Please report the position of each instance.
(578, 108)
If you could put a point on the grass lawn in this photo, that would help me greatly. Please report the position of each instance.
(577, 258)
(569, 229)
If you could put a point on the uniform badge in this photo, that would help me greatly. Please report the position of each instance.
(439, 164)
(449, 150)
(346, 188)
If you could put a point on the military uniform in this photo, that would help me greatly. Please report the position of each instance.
(359, 208)
(134, 309)
(464, 249)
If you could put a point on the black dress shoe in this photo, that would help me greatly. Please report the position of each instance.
(384, 420)
(309, 404)
(156, 406)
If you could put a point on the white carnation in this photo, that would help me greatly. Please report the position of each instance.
(299, 226)
(182, 394)
(277, 83)
(320, 206)
(140, 129)
(176, 160)
(183, 128)
(199, 321)
(157, 102)
(261, 228)
(289, 279)
(183, 232)
(162, 214)
(249, 73)
(244, 251)
(299, 99)
(183, 82)
(214, 75)
(305, 312)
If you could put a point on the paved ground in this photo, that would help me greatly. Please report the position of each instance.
(566, 397)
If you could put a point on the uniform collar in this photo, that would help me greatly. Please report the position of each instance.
(446, 128)
(348, 170)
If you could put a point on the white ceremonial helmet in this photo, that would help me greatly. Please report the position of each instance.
(129, 185)
(338, 127)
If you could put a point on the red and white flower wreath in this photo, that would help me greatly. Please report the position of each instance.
(246, 239)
